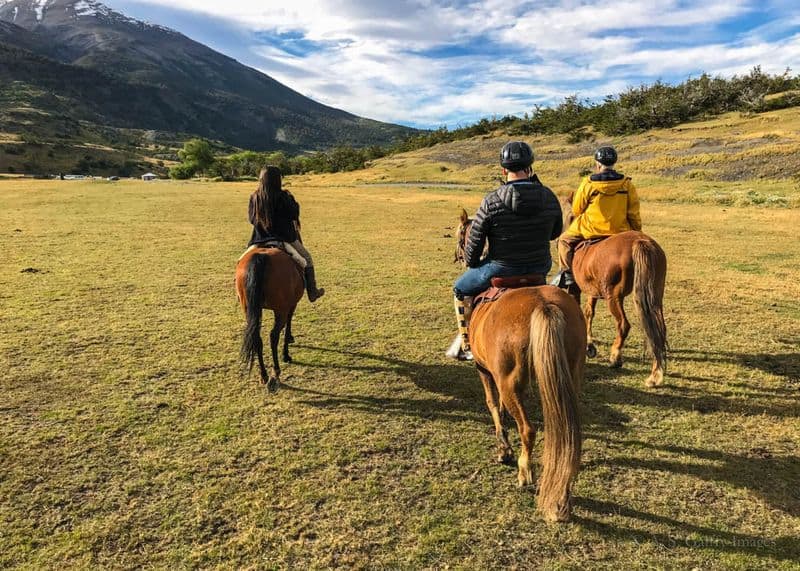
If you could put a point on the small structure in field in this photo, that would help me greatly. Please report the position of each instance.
(149, 176)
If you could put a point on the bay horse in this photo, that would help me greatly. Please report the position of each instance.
(268, 278)
(612, 269)
(534, 333)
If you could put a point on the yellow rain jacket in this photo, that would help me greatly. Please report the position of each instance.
(605, 207)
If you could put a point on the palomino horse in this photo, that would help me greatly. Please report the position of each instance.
(268, 278)
(527, 333)
(613, 268)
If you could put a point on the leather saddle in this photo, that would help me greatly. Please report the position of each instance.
(502, 284)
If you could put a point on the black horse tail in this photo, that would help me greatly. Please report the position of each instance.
(252, 346)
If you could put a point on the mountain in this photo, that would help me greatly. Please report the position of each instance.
(78, 60)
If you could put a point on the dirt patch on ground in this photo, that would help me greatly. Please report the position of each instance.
(735, 168)
(777, 167)
(467, 153)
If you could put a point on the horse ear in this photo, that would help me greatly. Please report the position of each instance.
(464, 216)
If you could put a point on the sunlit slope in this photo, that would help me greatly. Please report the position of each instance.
(731, 159)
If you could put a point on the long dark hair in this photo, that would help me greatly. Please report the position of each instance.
(266, 195)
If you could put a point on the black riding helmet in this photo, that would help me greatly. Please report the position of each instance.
(606, 156)
(516, 156)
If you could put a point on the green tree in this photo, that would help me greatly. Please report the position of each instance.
(197, 153)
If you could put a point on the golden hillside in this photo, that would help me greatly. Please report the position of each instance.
(732, 159)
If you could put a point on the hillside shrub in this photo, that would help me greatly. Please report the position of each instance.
(636, 109)
(182, 172)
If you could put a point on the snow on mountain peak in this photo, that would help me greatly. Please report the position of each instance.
(90, 8)
(39, 6)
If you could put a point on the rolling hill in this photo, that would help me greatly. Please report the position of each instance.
(735, 158)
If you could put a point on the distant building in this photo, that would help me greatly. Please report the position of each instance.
(149, 176)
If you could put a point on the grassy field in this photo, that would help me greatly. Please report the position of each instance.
(129, 439)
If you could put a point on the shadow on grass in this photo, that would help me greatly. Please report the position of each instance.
(691, 399)
(681, 534)
(459, 382)
(773, 478)
(786, 365)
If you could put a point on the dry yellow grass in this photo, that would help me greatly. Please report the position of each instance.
(729, 160)
(129, 440)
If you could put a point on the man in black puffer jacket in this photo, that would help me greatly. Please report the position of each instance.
(519, 220)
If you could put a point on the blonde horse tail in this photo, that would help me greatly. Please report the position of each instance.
(649, 276)
(547, 354)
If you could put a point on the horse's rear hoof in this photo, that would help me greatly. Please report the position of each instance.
(272, 384)
(591, 351)
(290, 339)
(287, 358)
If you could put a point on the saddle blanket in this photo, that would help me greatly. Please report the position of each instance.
(288, 248)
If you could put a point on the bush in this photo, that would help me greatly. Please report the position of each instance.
(182, 172)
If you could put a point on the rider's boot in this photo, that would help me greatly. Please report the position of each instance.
(564, 279)
(461, 316)
(311, 285)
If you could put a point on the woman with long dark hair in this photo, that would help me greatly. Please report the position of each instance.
(275, 216)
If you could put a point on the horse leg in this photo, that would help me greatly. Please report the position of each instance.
(287, 337)
(588, 312)
(274, 336)
(505, 453)
(513, 399)
(623, 327)
(261, 367)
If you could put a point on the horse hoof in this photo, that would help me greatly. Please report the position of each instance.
(615, 363)
(655, 380)
(290, 339)
(273, 384)
(287, 359)
(591, 351)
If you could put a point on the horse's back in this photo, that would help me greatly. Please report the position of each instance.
(283, 285)
(500, 330)
(608, 265)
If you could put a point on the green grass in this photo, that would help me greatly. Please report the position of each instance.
(129, 439)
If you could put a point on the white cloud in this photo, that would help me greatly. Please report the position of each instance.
(498, 57)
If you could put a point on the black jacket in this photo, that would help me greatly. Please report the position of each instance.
(282, 228)
(519, 219)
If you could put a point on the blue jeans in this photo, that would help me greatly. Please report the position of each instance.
(475, 280)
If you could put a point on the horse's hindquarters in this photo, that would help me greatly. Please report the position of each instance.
(539, 333)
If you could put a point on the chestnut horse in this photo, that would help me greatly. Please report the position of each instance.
(268, 278)
(527, 333)
(613, 268)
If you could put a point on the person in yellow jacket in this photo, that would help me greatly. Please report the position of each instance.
(606, 203)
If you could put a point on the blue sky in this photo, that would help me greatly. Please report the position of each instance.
(428, 63)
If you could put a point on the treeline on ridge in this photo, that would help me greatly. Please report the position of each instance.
(637, 109)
